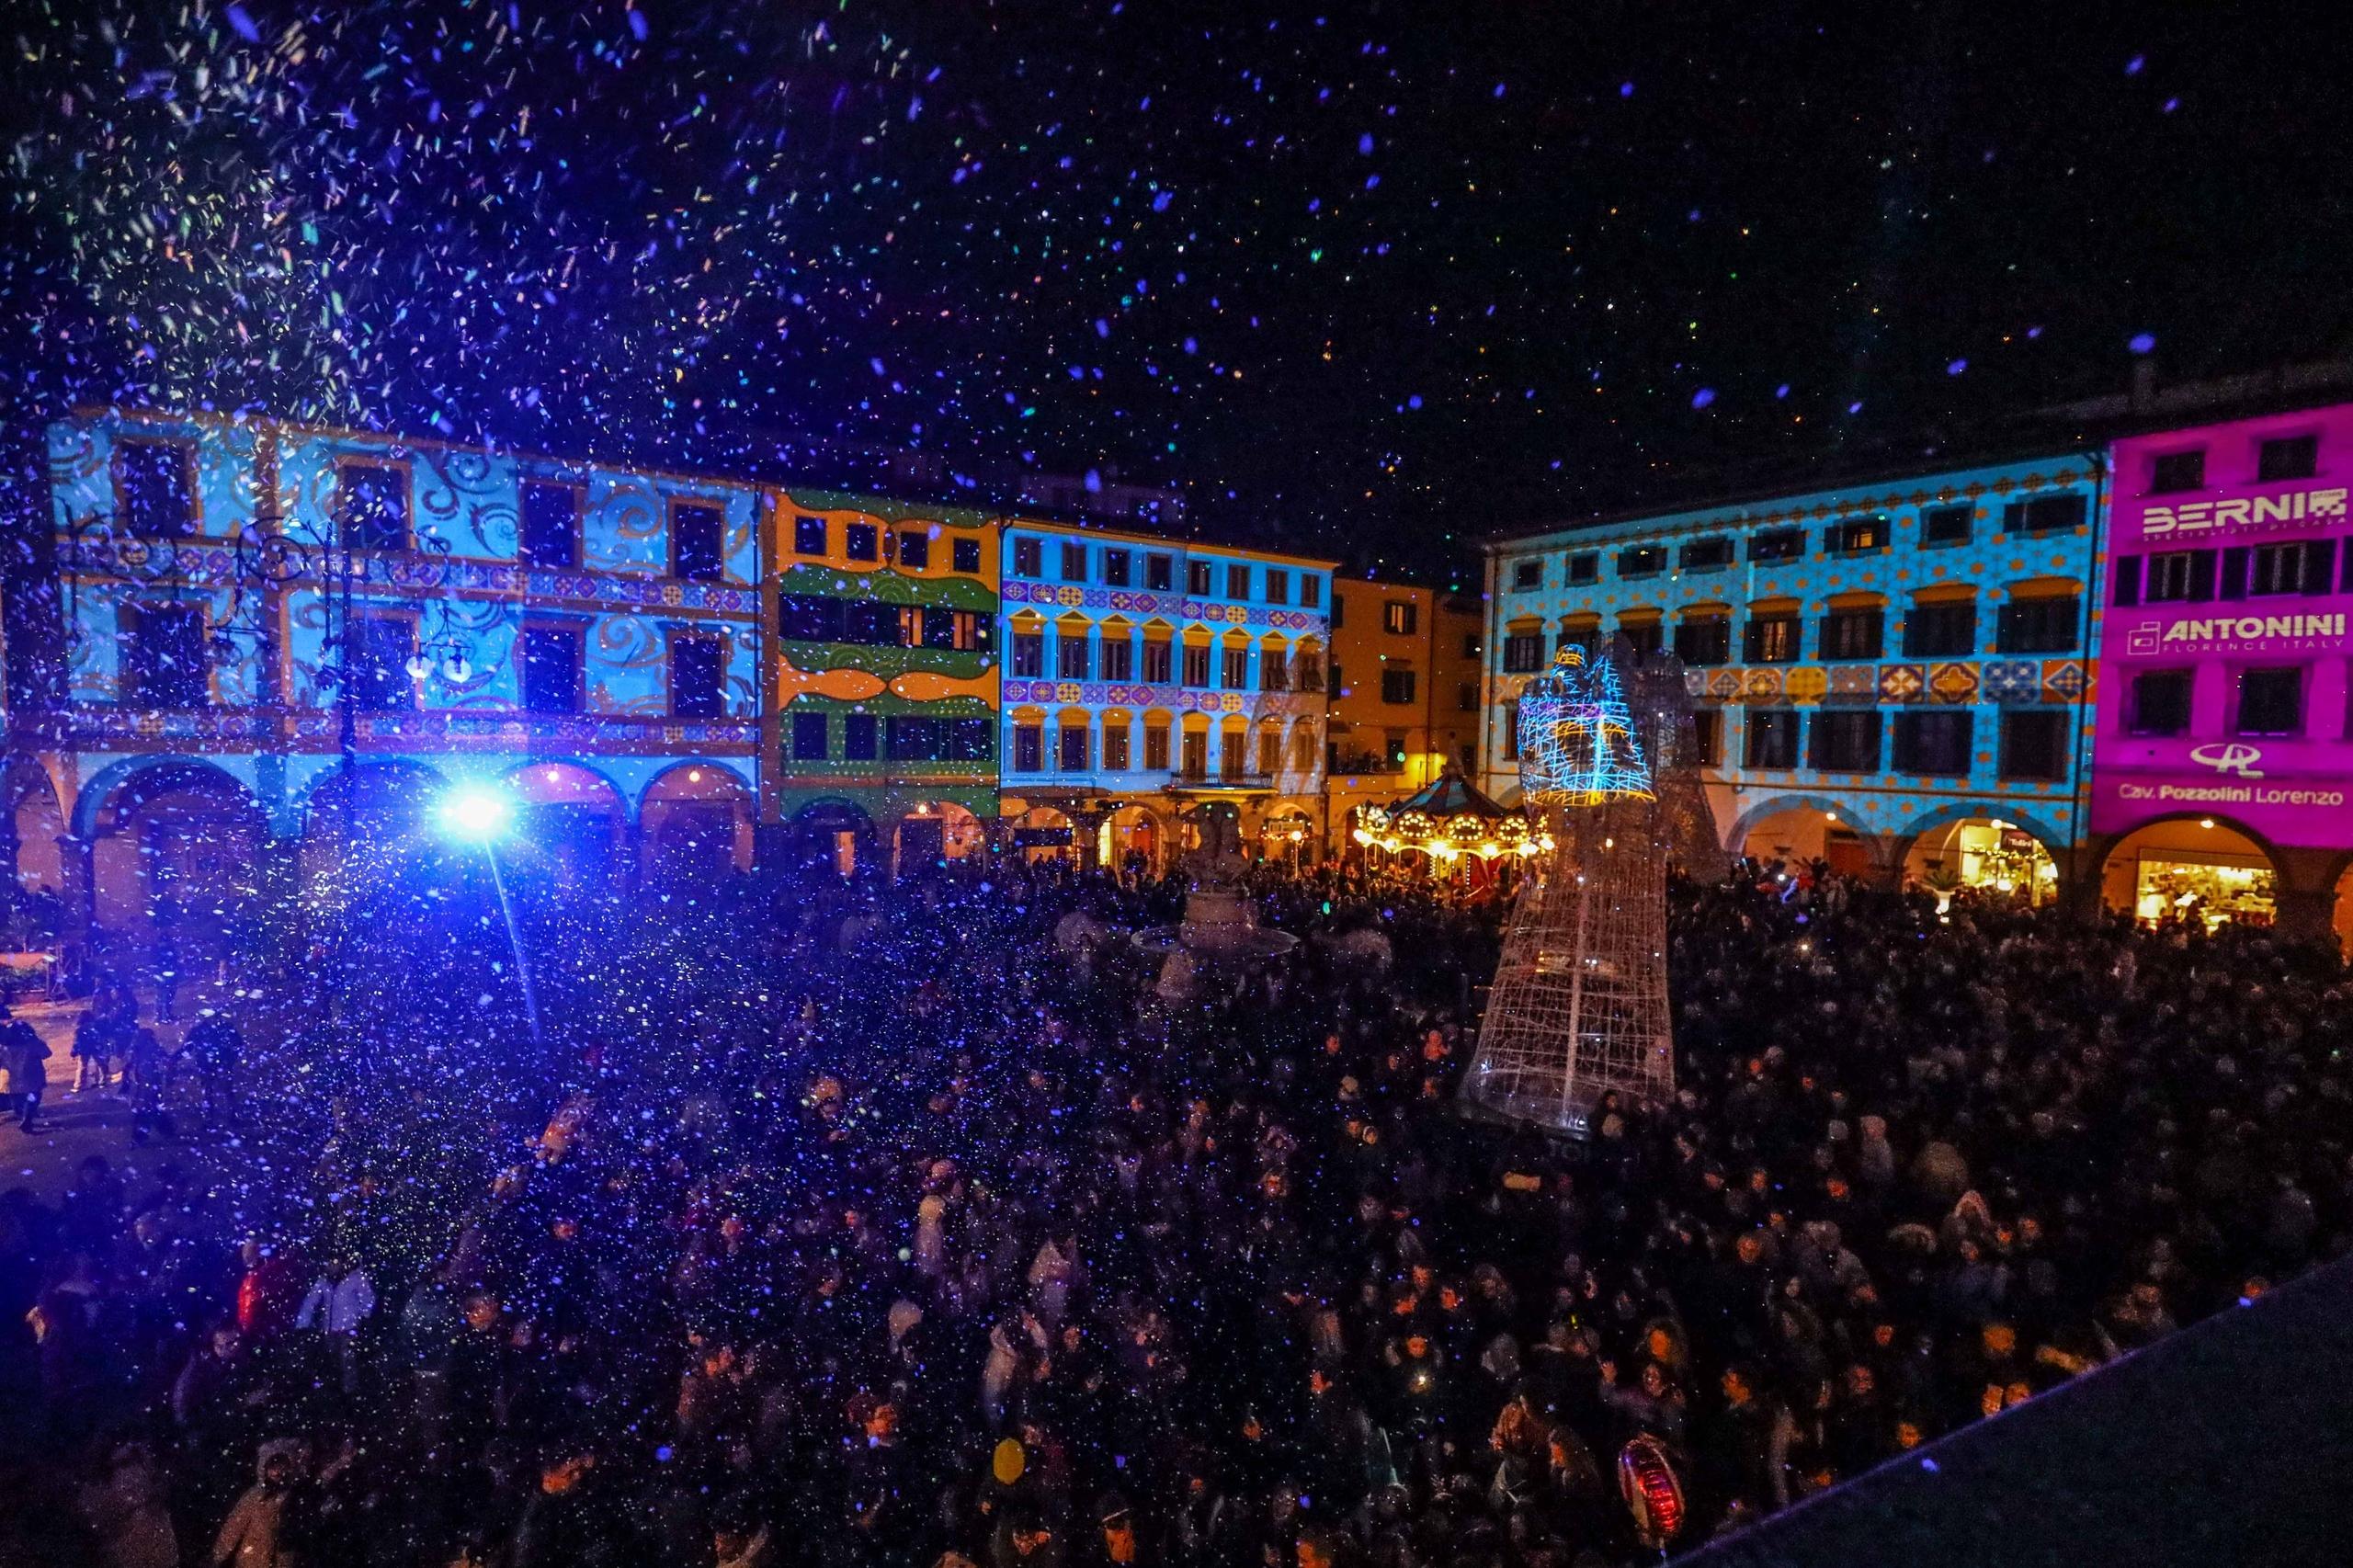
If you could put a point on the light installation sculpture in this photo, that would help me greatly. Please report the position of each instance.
(1658, 690)
(1578, 1009)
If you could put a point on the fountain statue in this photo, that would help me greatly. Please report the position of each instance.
(1219, 935)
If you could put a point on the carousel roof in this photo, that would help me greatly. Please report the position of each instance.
(1452, 795)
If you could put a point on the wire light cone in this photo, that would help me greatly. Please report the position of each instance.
(1659, 692)
(1578, 1009)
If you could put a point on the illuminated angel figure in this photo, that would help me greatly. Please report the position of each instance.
(1578, 1009)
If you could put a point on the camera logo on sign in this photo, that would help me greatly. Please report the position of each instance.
(2142, 639)
(2233, 758)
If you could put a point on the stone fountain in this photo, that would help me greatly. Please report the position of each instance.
(1219, 935)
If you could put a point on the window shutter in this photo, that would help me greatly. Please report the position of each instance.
(2233, 584)
(1751, 641)
(2320, 562)
(1818, 742)
(2128, 580)
(2201, 576)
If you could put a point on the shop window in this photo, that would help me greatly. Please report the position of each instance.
(1935, 743)
(1705, 555)
(1197, 668)
(549, 657)
(1944, 630)
(165, 659)
(156, 482)
(1397, 685)
(2172, 471)
(2034, 744)
(808, 536)
(548, 531)
(964, 555)
(1070, 661)
(371, 505)
(1776, 544)
(2048, 625)
(1644, 561)
(1944, 526)
(1029, 655)
(1029, 558)
(2287, 456)
(1853, 633)
(860, 541)
(2212, 889)
(697, 664)
(1771, 640)
(1028, 748)
(2161, 702)
(1528, 575)
(1523, 653)
(808, 743)
(858, 737)
(1584, 567)
(1118, 565)
(1845, 741)
(915, 551)
(2271, 701)
(1158, 661)
(1160, 572)
(1235, 668)
(1772, 738)
(1704, 640)
(2045, 514)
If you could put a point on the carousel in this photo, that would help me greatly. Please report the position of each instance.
(1454, 827)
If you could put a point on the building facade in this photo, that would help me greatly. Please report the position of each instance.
(1403, 684)
(1894, 677)
(882, 722)
(268, 637)
(1146, 681)
(2222, 765)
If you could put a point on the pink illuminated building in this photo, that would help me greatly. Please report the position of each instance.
(2222, 766)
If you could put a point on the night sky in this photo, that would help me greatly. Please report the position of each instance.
(1368, 279)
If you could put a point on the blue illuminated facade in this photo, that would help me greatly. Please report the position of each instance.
(1143, 677)
(1893, 676)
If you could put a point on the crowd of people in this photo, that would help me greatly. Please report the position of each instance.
(840, 1225)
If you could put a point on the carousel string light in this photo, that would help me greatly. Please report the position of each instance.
(1446, 820)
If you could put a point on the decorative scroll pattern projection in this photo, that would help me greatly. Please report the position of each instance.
(1579, 1010)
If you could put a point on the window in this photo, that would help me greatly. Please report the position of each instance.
(1278, 586)
(1705, 555)
(550, 672)
(1117, 566)
(1508, 723)
(1195, 757)
(1704, 640)
(1273, 670)
(550, 531)
(1846, 740)
(2034, 744)
(1232, 756)
(808, 536)
(2179, 576)
(859, 744)
(696, 663)
(1466, 697)
(1270, 752)
(809, 737)
(1115, 745)
(1584, 567)
(1311, 591)
(1237, 582)
(1071, 660)
(156, 484)
(1772, 738)
(1310, 670)
(1156, 662)
(861, 542)
(2045, 514)
(1338, 685)
(1853, 633)
(1073, 748)
(1118, 657)
(1196, 667)
(2178, 471)
(936, 626)
(1771, 639)
(698, 542)
(1947, 630)
(964, 555)
(1523, 653)
(377, 649)
(1527, 575)
(2161, 702)
(1708, 737)
(1029, 655)
(371, 505)
(1645, 560)
(1160, 572)
(165, 662)
(1029, 558)
(1941, 526)
(2127, 573)
(1397, 685)
(2051, 625)
(907, 738)
(1236, 669)
(1857, 536)
(915, 551)
(2301, 568)
(1779, 544)
(1074, 562)
(1028, 748)
(1155, 748)
(1339, 610)
(2271, 701)
(1393, 749)
(1398, 617)
(1936, 742)
(1644, 637)
(809, 618)
(1197, 577)
(1471, 646)
(2287, 456)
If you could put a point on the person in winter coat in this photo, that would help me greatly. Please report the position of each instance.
(264, 1530)
(28, 1056)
